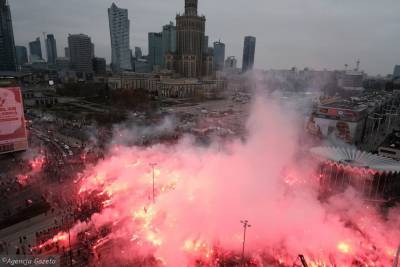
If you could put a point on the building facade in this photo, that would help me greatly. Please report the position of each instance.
(22, 55)
(168, 40)
(249, 50)
(80, 51)
(62, 63)
(396, 72)
(190, 57)
(7, 44)
(119, 32)
(66, 52)
(51, 47)
(155, 50)
(99, 66)
(167, 88)
(138, 53)
(231, 63)
(205, 44)
(219, 55)
(35, 50)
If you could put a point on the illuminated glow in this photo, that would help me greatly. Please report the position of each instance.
(343, 247)
(202, 194)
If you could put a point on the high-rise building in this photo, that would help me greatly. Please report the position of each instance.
(219, 55)
(35, 50)
(249, 50)
(62, 63)
(7, 45)
(190, 40)
(191, 58)
(168, 39)
(231, 63)
(80, 52)
(205, 44)
(22, 55)
(396, 72)
(138, 52)
(51, 47)
(99, 66)
(156, 54)
(119, 31)
(66, 52)
(92, 51)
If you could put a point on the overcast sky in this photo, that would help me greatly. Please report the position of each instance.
(303, 33)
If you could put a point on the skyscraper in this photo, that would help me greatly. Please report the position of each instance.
(138, 53)
(156, 54)
(192, 59)
(7, 45)
(92, 50)
(168, 39)
(219, 55)
(190, 30)
(248, 53)
(51, 48)
(80, 52)
(119, 32)
(231, 63)
(22, 55)
(205, 44)
(99, 66)
(35, 50)
(396, 72)
(66, 52)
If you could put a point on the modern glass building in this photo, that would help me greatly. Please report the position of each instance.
(138, 52)
(51, 48)
(7, 45)
(249, 50)
(119, 32)
(80, 52)
(219, 55)
(35, 50)
(396, 72)
(22, 55)
(155, 49)
(168, 39)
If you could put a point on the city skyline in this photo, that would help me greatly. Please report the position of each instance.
(288, 34)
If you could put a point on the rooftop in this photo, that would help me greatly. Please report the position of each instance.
(346, 104)
(392, 141)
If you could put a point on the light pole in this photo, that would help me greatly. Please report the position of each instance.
(245, 226)
(396, 260)
(152, 166)
(303, 261)
(69, 236)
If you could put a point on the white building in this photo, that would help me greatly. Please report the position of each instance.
(119, 32)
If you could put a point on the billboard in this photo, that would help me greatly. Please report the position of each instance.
(349, 132)
(13, 134)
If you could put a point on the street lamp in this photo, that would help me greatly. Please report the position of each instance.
(69, 225)
(396, 260)
(303, 261)
(245, 226)
(152, 166)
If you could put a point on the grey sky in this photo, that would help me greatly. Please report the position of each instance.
(303, 33)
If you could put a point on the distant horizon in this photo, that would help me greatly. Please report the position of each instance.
(315, 35)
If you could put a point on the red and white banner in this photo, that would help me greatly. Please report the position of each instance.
(12, 120)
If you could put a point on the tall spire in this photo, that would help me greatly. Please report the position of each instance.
(191, 7)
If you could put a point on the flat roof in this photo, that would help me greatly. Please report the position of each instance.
(345, 104)
(392, 141)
